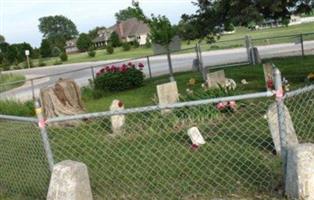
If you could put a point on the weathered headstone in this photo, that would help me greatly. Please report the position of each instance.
(215, 79)
(272, 118)
(195, 136)
(62, 99)
(69, 181)
(268, 75)
(117, 121)
(167, 93)
(300, 172)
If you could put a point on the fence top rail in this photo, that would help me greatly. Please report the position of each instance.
(161, 107)
(300, 91)
(17, 118)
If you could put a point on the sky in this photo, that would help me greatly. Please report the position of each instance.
(19, 18)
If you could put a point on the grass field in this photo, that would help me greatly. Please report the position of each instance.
(152, 157)
(17, 80)
(221, 44)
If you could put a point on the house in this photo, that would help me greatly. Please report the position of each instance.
(70, 46)
(129, 30)
(132, 30)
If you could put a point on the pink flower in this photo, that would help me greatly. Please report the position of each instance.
(102, 70)
(220, 105)
(130, 64)
(233, 105)
(140, 65)
(124, 66)
(107, 69)
(98, 74)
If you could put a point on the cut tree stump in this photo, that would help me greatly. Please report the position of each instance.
(62, 99)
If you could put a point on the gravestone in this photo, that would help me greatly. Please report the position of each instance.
(215, 79)
(167, 94)
(195, 136)
(117, 121)
(62, 99)
(69, 181)
(300, 172)
(268, 75)
(272, 119)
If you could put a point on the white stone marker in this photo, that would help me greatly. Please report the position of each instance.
(300, 172)
(195, 136)
(272, 118)
(216, 78)
(117, 121)
(167, 94)
(69, 181)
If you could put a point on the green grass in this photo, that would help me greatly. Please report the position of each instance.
(223, 43)
(6, 79)
(152, 157)
(294, 69)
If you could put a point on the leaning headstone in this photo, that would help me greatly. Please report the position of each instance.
(69, 181)
(268, 76)
(215, 79)
(167, 93)
(117, 121)
(272, 118)
(300, 172)
(195, 136)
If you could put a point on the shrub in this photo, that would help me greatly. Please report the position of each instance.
(57, 62)
(63, 56)
(17, 108)
(84, 42)
(119, 78)
(109, 49)
(126, 46)
(135, 44)
(91, 53)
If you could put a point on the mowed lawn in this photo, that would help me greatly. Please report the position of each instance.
(152, 158)
(222, 43)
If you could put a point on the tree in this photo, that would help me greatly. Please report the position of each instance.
(84, 42)
(130, 12)
(94, 32)
(212, 17)
(2, 39)
(20, 49)
(57, 29)
(45, 48)
(161, 30)
(114, 39)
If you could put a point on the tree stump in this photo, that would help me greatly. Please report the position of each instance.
(62, 99)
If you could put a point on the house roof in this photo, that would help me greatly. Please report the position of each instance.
(131, 27)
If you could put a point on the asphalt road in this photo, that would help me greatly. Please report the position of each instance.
(159, 66)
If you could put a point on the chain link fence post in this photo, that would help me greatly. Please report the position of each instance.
(149, 69)
(201, 64)
(248, 45)
(281, 119)
(93, 73)
(302, 44)
(33, 89)
(170, 66)
(43, 132)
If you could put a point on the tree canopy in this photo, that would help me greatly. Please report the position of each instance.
(2, 39)
(212, 17)
(57, 29)
(130, 12)
(84, 42)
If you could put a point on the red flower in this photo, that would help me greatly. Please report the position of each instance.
(124, 66)
(270, 84)
(233, 105)
(194, 146)
(102, 70)
(120, 104)
(220, 106)
(98, 74)
(140, 65)
(107, 69)
(130, 64)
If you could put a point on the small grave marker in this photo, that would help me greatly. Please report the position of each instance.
(167, 93)
(195, 136)
(272, 118)
(215, 79)
(117, 121)
(268, 75)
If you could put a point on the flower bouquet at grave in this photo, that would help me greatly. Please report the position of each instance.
(119, 78)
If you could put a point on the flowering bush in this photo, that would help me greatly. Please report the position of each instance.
(118, 78)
